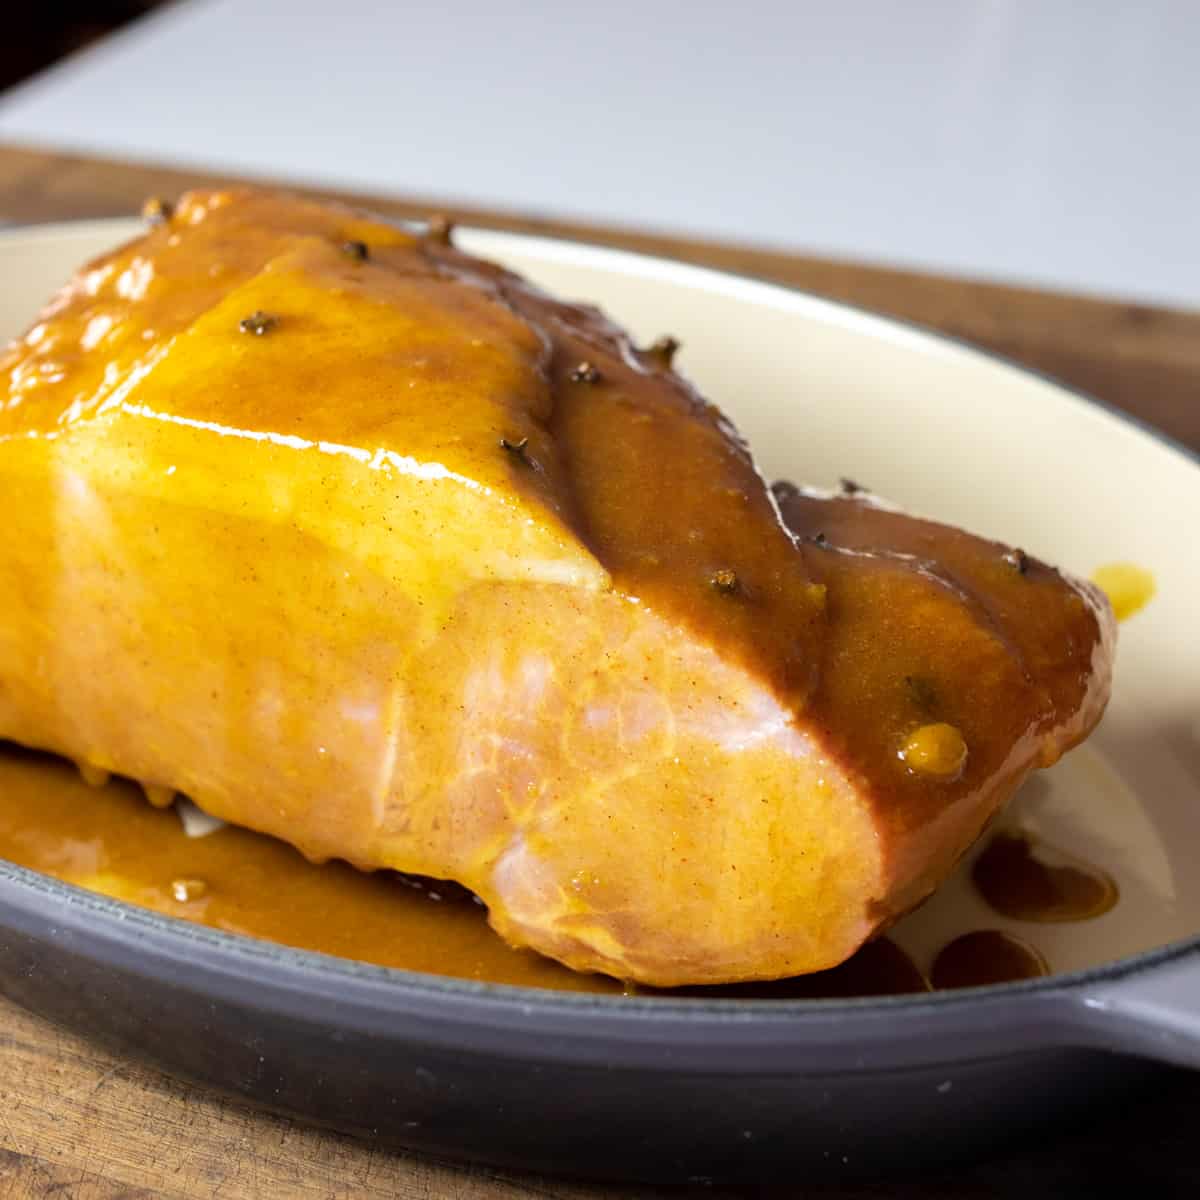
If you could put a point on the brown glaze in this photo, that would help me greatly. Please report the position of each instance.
(940, 625)
(988, 956)
(929, 626)
(105, 837)
(1026, 879)
(371, 546)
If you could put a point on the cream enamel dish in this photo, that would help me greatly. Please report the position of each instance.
(675, 1088)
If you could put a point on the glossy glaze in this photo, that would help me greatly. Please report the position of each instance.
(383, 552)
(929, 628)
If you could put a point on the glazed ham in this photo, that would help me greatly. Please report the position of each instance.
(364, 543)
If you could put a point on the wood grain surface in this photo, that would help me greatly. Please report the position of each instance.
(76, 1121)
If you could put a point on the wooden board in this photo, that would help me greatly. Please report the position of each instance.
(76, 1121)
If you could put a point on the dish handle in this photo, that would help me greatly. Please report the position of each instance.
(1153, 1012)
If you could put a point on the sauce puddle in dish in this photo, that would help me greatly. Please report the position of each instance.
(105, 837)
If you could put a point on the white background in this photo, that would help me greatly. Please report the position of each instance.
(1032, 140)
